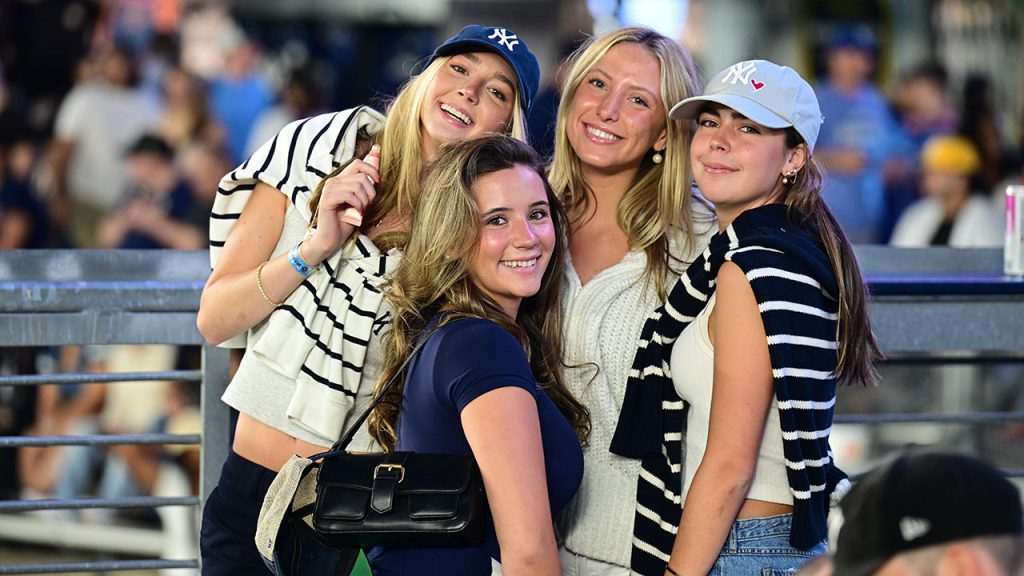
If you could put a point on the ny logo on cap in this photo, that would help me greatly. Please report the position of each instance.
(912, 528)
(740, 72)
(505, 38)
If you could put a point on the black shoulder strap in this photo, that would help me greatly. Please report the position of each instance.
(347, 436)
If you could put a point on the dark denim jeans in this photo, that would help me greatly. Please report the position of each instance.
(227, 542)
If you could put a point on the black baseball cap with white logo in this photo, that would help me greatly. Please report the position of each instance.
(919, 500)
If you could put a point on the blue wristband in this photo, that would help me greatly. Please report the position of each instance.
(300, 265)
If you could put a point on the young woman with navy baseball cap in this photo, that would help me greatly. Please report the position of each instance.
(301, 237)
(756, 336)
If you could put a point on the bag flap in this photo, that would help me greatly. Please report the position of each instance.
(421, 472)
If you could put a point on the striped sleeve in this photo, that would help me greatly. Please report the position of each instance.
(293, 162)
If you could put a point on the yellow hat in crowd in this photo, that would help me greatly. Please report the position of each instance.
(950, 154)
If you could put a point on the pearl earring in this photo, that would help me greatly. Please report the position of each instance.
(789, 178)
(657, 158)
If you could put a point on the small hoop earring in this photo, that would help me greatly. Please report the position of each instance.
(657, 158)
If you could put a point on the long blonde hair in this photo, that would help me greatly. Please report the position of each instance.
(661, 195)
(434, 276)
(401, 157)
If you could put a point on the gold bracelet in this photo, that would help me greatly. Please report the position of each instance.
(259, 284)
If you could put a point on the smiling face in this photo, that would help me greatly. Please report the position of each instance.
(738, 163)
(617, 115)
(473, 94)
(517, 236)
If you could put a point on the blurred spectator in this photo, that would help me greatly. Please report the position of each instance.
(921, 110)
(172, 470)
(59, 410)
(541, 119)
(239, 94)
(24, 222)
(931, 513)
(980, 122)
(296, 100)
(956, 210)
(23, 219)
(922, 101)
(204, 164)
(17, 414)
(137, 24)
(115, 408)
(157, 203)
(187, 117)
(854, 139)
(96, 123)
(41, 42)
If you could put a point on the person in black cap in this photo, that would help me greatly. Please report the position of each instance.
(931, 513)
(301, 237)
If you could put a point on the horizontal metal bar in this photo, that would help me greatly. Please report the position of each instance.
(103, 265)
(875, 259)
(99, 327)
(30, 296)
(103, 566)
(959, 418)
(93, 377)
(928, 325)
(99, 440)
(126, 503)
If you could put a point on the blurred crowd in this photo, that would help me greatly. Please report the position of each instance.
(120, 137)
(926, 165)
(165, 97)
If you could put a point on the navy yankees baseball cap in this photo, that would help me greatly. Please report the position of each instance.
(503, 42)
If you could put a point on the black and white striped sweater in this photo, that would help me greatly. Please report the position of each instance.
(796, 291)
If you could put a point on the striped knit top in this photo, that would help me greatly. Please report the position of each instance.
(796, 291)
(319, 336)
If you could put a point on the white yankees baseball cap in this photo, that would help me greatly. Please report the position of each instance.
(771, 95)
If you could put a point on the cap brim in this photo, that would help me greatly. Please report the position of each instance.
(689, 109)
(463, 46)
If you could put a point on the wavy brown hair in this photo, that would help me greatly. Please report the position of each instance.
(434, 276)
(858, 349)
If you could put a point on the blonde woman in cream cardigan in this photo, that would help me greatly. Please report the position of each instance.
(621, 169)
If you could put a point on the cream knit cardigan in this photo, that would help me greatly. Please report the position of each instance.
(603, 321)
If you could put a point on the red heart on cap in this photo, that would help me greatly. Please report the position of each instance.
(757, 85)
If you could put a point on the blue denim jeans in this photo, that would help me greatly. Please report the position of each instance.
(760, 547)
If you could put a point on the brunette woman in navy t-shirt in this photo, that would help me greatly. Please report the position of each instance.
(479, 283)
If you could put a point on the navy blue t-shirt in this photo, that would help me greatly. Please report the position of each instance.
(461, 362)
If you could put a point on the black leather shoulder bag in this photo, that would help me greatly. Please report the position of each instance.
(398, 498)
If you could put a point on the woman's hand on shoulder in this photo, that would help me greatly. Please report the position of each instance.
(343, 200)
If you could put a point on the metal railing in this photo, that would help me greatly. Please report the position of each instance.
(56, 298)
(931, 305)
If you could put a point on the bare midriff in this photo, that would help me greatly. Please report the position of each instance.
(266, 446)
(760, 509)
